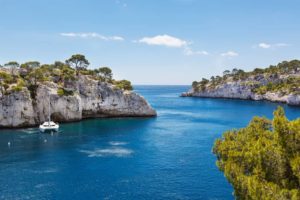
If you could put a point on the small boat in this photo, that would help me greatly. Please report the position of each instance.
(49, 125)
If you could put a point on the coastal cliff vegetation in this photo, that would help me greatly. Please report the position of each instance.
(283, 77)
(262, 160)
(276, 83)
(14, 76)
(67, 91)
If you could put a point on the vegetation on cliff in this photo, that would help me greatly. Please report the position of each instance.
(283, 77)
(15, 76)
(262, 161)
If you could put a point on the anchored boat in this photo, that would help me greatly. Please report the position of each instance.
(49, 125)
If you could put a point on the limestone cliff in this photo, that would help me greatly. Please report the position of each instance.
(237, 90)
(89, 99)
(279, 83)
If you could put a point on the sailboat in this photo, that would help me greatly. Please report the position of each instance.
(49, 125)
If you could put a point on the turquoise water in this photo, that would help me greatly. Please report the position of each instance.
(168, 157)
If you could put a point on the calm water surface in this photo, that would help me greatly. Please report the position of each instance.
(168, 157)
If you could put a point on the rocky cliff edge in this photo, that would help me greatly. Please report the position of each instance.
(89, 99)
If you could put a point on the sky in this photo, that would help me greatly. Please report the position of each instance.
(155, 42)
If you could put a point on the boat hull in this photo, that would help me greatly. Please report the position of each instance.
(48, 129)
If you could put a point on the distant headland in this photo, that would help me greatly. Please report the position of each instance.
(277, 83)
(74, 91)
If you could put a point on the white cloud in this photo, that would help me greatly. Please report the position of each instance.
(164, 40)
(229, 54)
(268, 46)
(189, 52)
(264, 45)
(93, 35)
(170, 41)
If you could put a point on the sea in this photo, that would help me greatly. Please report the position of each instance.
(165, 157)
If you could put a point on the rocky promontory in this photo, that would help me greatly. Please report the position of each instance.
(279, 83)
(25, 94)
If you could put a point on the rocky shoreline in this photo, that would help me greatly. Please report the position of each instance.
(89, 99)
(279, 83)
(293, 100)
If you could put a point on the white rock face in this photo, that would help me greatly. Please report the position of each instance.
(293, 100)
(91, 99)
(228, 90)
(16, 110)
(64, 108)
(238, 90)
(100, 99)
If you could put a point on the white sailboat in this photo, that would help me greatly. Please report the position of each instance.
(49, 125)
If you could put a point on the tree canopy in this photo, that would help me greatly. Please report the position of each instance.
(123, 84)
(30, 64)
(78, 62)
(15, 77)
(13, 66)
(262, 161)
(106, 73)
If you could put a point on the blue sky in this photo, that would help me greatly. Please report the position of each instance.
(153, 42)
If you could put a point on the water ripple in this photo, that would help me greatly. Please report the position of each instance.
(115, 151)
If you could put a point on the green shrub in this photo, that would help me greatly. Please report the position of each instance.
(60, 92)
(6, 77)
(261, 90)
(289, 85)
(86, 72)
(16, 88)
(262, 160)
(123, 84)
(63, 92)
(21, 82)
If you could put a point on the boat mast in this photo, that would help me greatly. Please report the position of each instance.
(49, 110)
